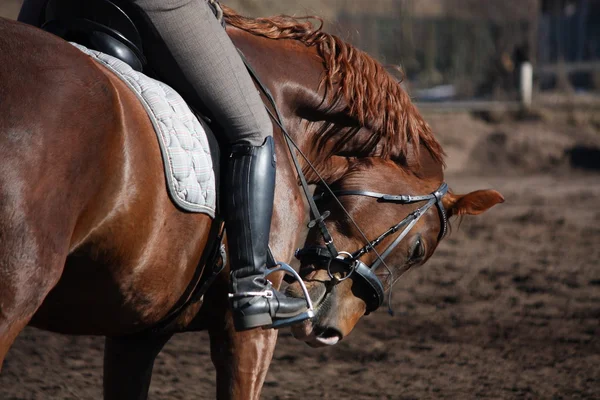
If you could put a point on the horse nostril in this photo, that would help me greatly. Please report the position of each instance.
(330, 333)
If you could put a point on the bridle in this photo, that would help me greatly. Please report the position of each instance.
(351, 261)
(329, 252)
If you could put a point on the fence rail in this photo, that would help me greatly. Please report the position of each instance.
(470, 106)
(569, 67)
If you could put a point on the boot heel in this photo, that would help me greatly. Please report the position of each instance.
(246, 322)
(282, 323)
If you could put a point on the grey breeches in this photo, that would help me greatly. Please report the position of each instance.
(199, 60)
(212, 66)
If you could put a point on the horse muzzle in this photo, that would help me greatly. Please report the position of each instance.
(337, 310)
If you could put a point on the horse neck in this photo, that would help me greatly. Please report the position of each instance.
(370, 116)
(292, 72)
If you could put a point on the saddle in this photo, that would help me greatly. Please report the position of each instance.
(98, 25)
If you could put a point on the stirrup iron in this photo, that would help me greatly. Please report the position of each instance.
(281, 323)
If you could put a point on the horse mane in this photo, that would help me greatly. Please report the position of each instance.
(372, 96)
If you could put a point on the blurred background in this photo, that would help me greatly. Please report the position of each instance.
(509, 305)
(459, 49)
(466, 49)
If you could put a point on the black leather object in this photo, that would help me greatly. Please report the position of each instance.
(250, 184)
(97, 24)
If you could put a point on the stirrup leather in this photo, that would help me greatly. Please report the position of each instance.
(282, 322)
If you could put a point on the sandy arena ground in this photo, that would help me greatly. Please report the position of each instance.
(507, 308)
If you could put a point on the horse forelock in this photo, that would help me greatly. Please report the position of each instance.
(369, 93)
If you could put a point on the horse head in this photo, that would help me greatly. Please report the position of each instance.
(364, 138)
(373, 226)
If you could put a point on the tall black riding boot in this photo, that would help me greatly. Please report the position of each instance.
(249, 191)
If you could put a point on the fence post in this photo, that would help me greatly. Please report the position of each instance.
(526, 84)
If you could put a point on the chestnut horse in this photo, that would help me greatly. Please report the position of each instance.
(90, 242)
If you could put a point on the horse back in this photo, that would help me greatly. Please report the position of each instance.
(54, 116)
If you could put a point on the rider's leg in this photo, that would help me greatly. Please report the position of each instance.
(211, 65)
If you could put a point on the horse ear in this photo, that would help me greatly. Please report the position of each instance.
(473, 203)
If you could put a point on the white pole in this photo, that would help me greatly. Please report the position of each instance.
(526, 88)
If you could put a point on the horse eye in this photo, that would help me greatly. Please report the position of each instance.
(418, 251)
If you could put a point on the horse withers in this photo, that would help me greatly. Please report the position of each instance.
(90, 242)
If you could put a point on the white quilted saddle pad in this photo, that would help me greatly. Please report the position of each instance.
(182, 140)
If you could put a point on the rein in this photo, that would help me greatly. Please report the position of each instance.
(329, 252)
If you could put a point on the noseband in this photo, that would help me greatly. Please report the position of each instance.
(352, 262)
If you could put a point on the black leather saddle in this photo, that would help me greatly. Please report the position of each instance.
(100, 25)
